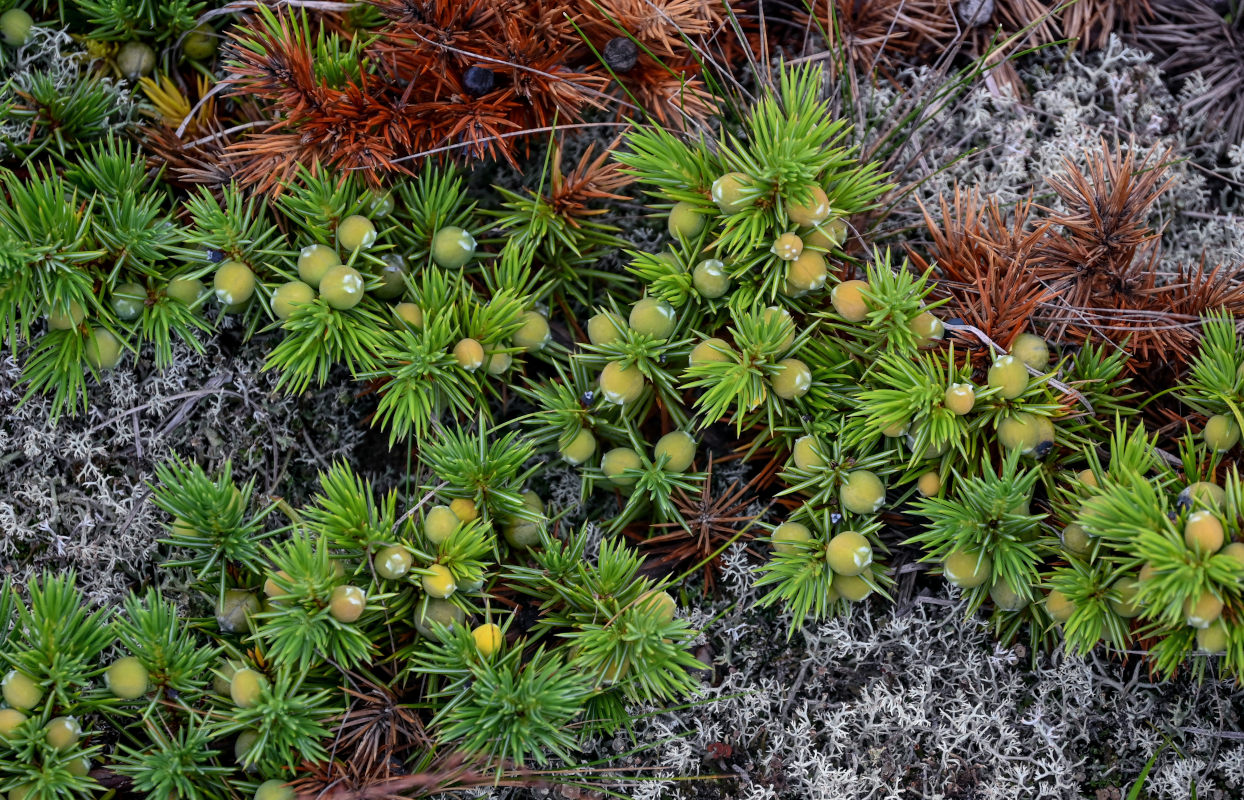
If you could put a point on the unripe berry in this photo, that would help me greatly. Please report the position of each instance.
(452, 247)
(434, 609)
(733, 192)
(62, 732)
(128, 301)
(392, 562)
(792, 379)
(678, 448)
(522, 533)
(828, 234)
(234, 609)
(1221, 432)
(409, 315)
(926, 328)
(653, 317)
(10, 720)
(469, 354)
(1202, 611)
(1235, 551)
(342, 287)
(274, 789)
(787, 324)
(849, 301)
(1032, 350)
(200, 43)
(103, 350)
(246, 686)
(314, 261)
(1077, 541)
(243, 744)
(135, 60)
(488, 639)
(660, 605)
(1202, 494)
(534, 333)
(347, 603)
(66, 317)
(621, 384)
(929, 484)
(355, 232)
(274, 589)
(862, 492)
(1213, 639)
(392, 278)
(20, 691)
(813, 211)
(1059, 606)
(960, 398)
(807, 453)
(15, 25)
(710, 279)
(713, 349)
(787, 536)
(852, 587)
(1006, 598)
(1024, 432)
(967, 569)
(498, 363)
(186, 291)
(787, 246)
(234, 283)
(439, 524)
(685, 221)
(617, 461)
(848, 553)
(807, 273)
(1124, 603)
(1009, 375)
(1203, 532)
(605, 328)
(127, 678)
(464, 509)
(439, 582)
(896, 429)
(580, 448)
(1086, 477)
(290, 296)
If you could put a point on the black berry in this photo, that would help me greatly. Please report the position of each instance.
(621, 54)
(478, 80)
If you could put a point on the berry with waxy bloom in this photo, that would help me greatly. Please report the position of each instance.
(355, 232)
(849, 301)
(452, 247)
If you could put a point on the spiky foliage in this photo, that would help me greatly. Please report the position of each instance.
(212, 522)
(1196, 37)
(981, 254)
(990, 519)
(708, 521)
(464, 81)
(879, 35)
(792, 152)
(88, 251)
(128, 20)
(1085, 271)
